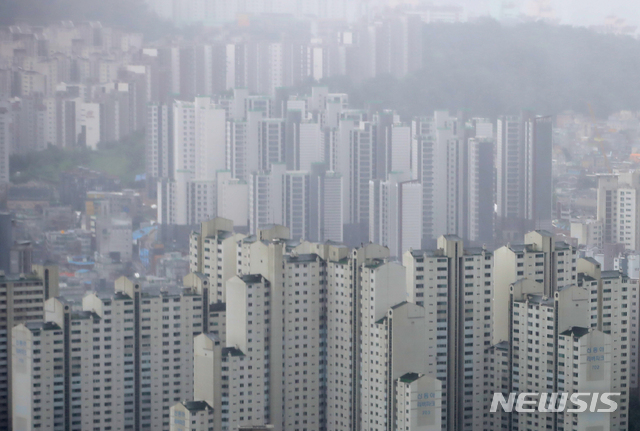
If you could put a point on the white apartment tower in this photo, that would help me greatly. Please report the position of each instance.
(361, 170)
(140, 362)
(6, 138)
(265, 197)
(213, 252)
(614, 311)
(191, 416)
(455, 287)
(418, 402)
(542, 259)
(565, 352)
(271, 135)
(295, 203)
(23, 302)
(332, 213)
(452, 161)
(524, 174)
(159, 151)
(199, 151)
(618, 209)
(243, 144)
(395, 214)
(425, 169)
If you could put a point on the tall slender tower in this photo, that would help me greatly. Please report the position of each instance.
(524, 175)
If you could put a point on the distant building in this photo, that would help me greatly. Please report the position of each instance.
(75, 184)
(114, 237)
(6, 241)
(619, 209)
(524, 175)
(6, 139)
(21, 257)
(588, 232)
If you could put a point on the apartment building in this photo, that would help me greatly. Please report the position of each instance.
(159, 141)
(192, 415)
(6, 139)
(188, 195)
(541, 258)
(121, 363)
(555, 349)
(418, 402)
(395, 214)
(23, 297)
(524, 174)
(455, 287)
(213, 252)
(617, 209)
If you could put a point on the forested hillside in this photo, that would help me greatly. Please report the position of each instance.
(490, 69)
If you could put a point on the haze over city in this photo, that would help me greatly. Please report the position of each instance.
(319, 215)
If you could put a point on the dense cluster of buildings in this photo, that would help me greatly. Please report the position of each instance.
(330, 172)
(295, 263)
(213, 13)
(295, 335)
(79, 84)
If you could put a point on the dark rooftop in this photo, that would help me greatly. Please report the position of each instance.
(394, 307)
(18, 277)
(409, 377)
(42, 326)
(592, 260)
(301, 258)
(576, 331)
(502, 345)
(218, 306)
(610, 274)
(196, 406)
(251, 278)
(84, 315)
(232, 351)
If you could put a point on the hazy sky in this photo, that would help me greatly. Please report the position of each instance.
(594, 11)
(577, 12)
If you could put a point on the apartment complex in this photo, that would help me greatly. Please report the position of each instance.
(23, 297)
(298, 335)
(542, 259)
(325, 171)
(118, 364)
(373, 332)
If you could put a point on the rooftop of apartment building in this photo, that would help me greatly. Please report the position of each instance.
(576, 331)
(41, 326)
(196, 406)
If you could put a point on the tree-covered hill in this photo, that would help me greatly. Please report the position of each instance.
(131, 15)
(491, 69)
(483, 67)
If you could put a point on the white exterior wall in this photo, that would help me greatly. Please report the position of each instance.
(311, 145)
(332, 216)
(104, 357)
(6, 138)
(411, 217)
(90, 118)
(401, 148)
(532, 262)
(419, 404)
(35, 408)
(382, 287)
(340, 338)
